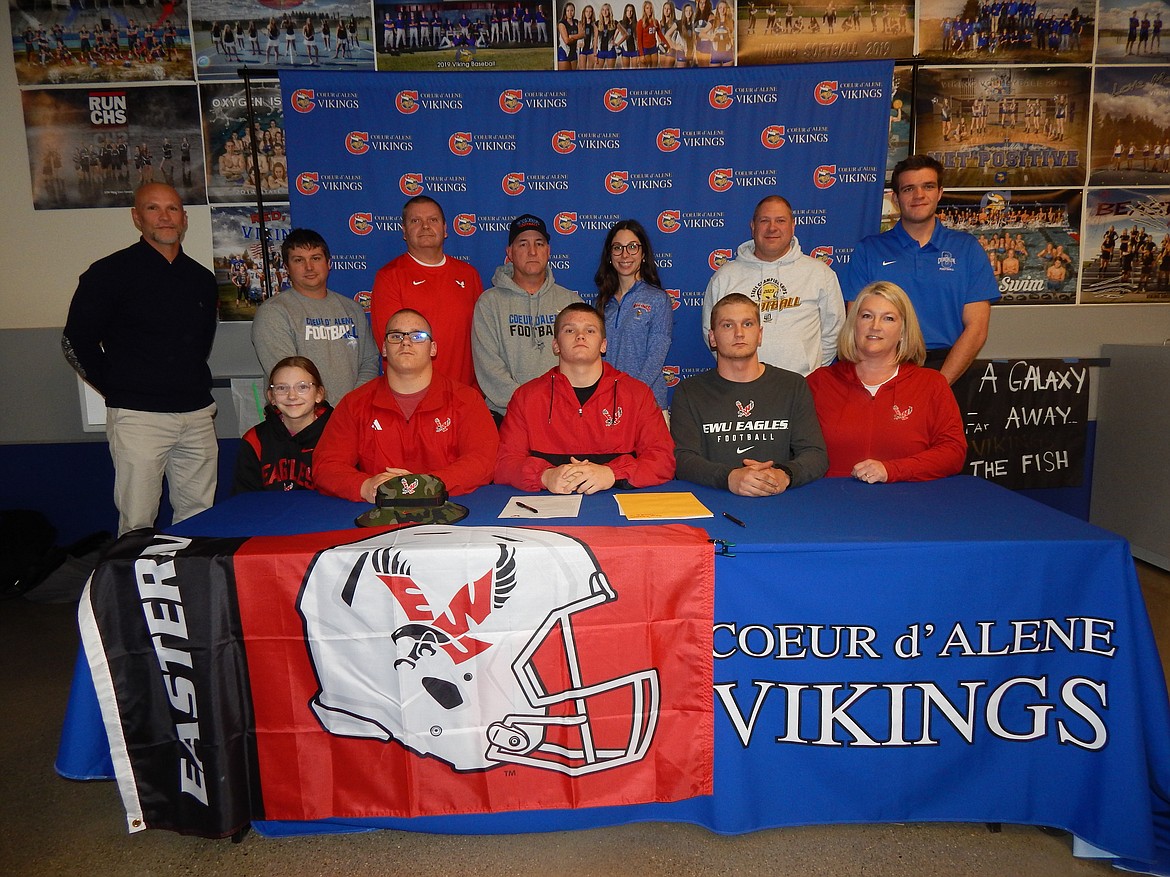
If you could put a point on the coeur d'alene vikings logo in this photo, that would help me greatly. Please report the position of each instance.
(460, 143)
(720, 179)
(616, 182)
(407, 102)
(476, 669)
(302, 100)
(307, 183)
(669, 221)
(564, 142)
(511, 100)
(772, 137)
(668, 139)
(464, 224)
(513, 183)
(357, 142)
(410, 184)
(822, 253)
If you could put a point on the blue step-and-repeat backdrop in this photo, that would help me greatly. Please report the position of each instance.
(687, 154)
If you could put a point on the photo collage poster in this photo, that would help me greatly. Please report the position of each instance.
(1032, 106)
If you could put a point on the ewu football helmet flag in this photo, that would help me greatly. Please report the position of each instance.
(459, 643)
(432, 670)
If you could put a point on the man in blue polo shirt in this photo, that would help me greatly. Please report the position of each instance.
(945, 272)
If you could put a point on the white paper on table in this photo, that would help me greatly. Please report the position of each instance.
(568, 506)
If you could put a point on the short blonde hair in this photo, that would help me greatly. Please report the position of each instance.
(732, 298)
(911, 346)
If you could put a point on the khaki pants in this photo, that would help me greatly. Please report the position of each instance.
(145, 446)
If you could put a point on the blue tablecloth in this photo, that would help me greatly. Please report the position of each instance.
(946, 651)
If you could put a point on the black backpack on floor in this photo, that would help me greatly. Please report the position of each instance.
(32, 565)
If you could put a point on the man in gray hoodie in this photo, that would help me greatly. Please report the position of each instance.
(799, 296)
(512, 330)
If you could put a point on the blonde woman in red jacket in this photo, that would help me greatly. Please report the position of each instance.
(884, 416)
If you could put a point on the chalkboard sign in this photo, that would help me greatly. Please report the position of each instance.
(1026, 421)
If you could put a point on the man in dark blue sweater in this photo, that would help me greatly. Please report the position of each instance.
(139, 330)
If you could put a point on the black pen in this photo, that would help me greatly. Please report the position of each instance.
(734, 520)
(529, 508)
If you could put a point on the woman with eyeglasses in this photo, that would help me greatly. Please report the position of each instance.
(637, 313)
(278, 453)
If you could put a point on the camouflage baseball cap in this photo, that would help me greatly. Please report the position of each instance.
(412, 499)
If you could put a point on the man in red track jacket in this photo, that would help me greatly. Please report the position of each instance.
(583, 426)
(413, 420)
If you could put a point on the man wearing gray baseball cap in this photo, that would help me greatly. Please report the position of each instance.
(512, 330)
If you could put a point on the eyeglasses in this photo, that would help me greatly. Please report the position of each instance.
(417, 337)
(633, 248)
(301, 389)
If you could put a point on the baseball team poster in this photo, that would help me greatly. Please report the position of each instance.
(465, 36)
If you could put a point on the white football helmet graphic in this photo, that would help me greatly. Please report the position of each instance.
(458, 642)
